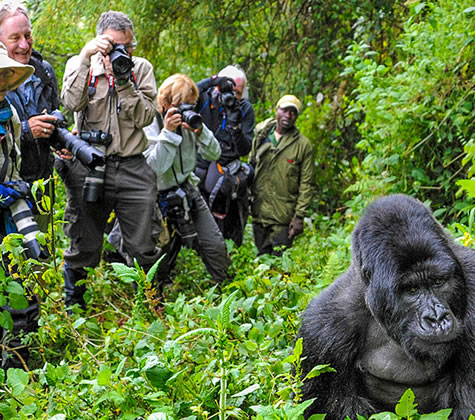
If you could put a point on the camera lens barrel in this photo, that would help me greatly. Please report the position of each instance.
(26, 225)
(193, 119)
(121, 62)
(93, 187)
(188, 115)
(88, 155)
(228, 99)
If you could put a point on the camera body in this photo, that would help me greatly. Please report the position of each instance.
(188, 115)
(88, 155)
(121, 62)
(228, 97)
(179, 213)
(93, 188)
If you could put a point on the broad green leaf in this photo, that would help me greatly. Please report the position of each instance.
(251, 345)
(79, 322)
(125, 273)
(6, 320)
(318, 370)
(248, 390)
(29, 409)
(298, 348)
(406, 407)
(14, 287)
(225, 313)
(17, 380)
(384, 416)
(439, 415)
(104, 376)
(17, 301)
(467, 185)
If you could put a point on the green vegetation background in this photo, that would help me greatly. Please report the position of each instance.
(388, 89)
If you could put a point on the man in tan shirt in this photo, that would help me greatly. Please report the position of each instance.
(112, 103)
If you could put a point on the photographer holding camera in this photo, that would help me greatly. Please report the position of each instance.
(231, 118)
(112, 94)
(15, 214)
(173, 155)
(34, 99)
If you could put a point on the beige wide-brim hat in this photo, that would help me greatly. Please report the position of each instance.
(17, 73)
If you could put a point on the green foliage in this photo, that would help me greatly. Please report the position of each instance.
(418, 112)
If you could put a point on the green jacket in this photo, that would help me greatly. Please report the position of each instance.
(284, 179)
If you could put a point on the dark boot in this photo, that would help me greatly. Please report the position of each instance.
(73, 293)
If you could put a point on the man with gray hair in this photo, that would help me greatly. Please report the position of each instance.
(231, 118)
(34, 99)
(112, 93)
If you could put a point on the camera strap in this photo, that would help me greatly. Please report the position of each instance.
(92, 85)
(4, 169)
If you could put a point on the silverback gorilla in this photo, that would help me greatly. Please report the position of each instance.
(402, 316)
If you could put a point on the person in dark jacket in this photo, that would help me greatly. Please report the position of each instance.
(34, 99)
(231, 118)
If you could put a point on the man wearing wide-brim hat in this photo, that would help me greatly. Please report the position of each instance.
(12, 74)
(283, 186)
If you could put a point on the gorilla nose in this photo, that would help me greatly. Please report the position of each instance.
(438, 320)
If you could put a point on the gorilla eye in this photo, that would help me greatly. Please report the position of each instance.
(412, 290)
(439, 282)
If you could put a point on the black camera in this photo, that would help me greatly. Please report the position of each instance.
(192, 118)
(93, 188)
(228, 97)
(25, 222)
(121, 62)
(88, 155)
(179, 213)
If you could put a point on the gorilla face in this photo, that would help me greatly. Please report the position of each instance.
(415, 287)
(402, 316)
(426, 322)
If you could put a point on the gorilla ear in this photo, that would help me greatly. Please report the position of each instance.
(365, 274)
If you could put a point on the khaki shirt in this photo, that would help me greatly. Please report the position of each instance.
(284, 179)
(123, 114)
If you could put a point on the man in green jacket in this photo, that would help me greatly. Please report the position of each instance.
(283, 186)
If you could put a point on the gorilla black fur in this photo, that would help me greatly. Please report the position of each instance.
(402, 316)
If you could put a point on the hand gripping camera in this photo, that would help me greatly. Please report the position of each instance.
(93, 188)
(189, 116)
(88, 155)
(179, 213)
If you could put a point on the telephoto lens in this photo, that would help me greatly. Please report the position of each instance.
(26, 225)
(189, 116)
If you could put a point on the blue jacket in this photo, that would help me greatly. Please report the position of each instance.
(36, 157)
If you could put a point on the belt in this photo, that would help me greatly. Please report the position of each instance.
(117, 158)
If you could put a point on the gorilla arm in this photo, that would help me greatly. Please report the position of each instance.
(333, 331)
(463, 400)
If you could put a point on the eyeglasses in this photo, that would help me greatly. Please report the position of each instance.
(132, 45)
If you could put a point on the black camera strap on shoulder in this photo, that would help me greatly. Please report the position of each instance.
(92, 86)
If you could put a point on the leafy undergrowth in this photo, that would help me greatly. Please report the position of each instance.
(201, 351)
